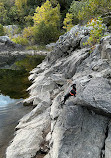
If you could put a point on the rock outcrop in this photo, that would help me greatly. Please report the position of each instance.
(82, 127)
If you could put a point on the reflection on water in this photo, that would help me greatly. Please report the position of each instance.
(5, 100)
(9, 116)
(13, 85)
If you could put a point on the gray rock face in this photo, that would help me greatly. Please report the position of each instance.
(50, 46)
(69, 41)
(77, 133)
(96, 95)
(106, 48)
(4, 39)
(108, 143)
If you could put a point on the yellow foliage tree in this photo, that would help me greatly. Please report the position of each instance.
(68, 22)
(47, 14)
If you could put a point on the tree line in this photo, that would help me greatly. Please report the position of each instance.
(43, 21)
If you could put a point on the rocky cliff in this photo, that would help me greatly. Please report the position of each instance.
(82, 127)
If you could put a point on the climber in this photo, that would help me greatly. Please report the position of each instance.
(71, 93)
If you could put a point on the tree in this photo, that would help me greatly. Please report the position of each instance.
(68, 22)
(94, 8)
(20, 3)
(75, 8)
(13, 14)
(44, 34)
(47, 14)
(3, 13)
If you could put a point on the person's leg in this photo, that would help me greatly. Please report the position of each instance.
(66, 97)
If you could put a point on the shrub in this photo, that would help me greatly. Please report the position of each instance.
(96, 32)
(20, 40)
(1, 30)
(44, 34)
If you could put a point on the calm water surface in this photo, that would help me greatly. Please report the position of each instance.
(13, 85)
(10, 112)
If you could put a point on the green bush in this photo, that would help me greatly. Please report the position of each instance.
(20, 40)
(44, 34)
(1, 30)
(97, 31)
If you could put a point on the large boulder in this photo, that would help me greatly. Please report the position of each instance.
(4, 39)
(76, 132)
(95, 95)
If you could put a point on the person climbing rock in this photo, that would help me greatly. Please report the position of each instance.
(71, 93)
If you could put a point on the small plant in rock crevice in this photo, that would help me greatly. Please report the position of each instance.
(96, 33)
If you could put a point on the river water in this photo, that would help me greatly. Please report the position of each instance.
(13, 85)
(10, 112)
